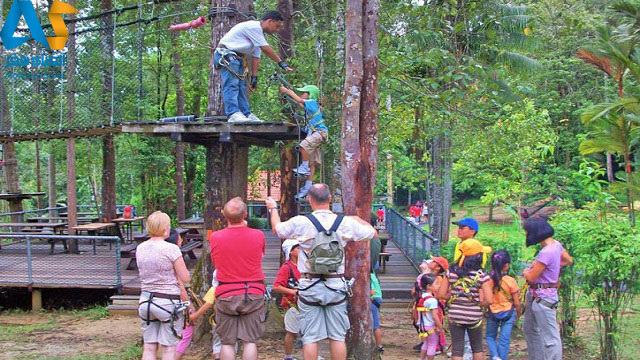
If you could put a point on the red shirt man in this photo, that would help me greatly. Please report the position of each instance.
(237, 253)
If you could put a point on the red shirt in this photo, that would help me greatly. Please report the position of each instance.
(282, 279)
(414, 211)
(237, 254)
(380, 214)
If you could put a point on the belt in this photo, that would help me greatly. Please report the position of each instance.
(546, 303)
(165, 296)
(546, 286)
(310, 276)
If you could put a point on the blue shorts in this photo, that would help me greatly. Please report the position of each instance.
(375, 312)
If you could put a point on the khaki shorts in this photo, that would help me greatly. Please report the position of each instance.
(238, 319)
(313, 145)
(159, 332)
(321, 322)
(292, 320)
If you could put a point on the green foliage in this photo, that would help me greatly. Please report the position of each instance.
(606, 254)
(258, 223)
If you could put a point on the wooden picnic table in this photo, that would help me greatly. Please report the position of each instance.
(194, 224)
(128, 225)
(93, 228)
(48, 219)
(57, 227)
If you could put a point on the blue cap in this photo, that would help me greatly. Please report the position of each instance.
(470, 222)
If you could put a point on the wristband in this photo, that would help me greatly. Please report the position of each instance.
(283, 65)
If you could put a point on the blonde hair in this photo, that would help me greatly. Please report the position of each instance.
(157, 223)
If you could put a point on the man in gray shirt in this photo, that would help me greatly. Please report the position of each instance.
(238, 49)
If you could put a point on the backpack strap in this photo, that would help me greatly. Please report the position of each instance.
(316, 223)
(336, 224)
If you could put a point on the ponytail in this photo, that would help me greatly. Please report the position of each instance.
(498, 260)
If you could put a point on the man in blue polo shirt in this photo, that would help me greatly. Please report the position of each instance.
(311, 146)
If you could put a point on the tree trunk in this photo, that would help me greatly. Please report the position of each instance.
(490, 212)
(177, 68)
(108, 148)
(72, 212)
(191, 156)
(225, 161)
(610, 176)
(441, 186)
(288, 158)
(359, 154)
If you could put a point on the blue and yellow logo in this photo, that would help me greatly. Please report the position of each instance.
(24, 8)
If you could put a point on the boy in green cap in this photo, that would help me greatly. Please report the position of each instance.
(311, 146)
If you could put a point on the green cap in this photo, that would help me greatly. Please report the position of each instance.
(313, 91)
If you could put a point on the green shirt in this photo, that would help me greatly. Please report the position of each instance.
(375, 286)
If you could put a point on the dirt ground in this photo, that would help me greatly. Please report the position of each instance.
(60, 335)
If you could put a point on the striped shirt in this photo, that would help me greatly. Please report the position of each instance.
(465, 308)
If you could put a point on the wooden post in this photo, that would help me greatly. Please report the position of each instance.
(36, 300)
(108, 178)
(72, 213)
(12, 179)
(52, 180)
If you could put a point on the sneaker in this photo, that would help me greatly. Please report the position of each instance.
(237, 117)
(303, 169)
(380, 349)
(303, 192)
(418, 347)
(254, 118)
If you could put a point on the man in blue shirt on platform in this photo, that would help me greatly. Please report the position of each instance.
(311, 146)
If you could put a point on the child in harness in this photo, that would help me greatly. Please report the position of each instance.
(317, 135)
(428, 319)
(286, 283)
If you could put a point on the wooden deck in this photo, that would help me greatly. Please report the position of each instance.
(85, 270)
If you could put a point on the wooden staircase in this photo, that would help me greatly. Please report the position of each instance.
(396, 282)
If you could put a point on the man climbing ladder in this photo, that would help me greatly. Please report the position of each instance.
(243, 41)
(318, 134)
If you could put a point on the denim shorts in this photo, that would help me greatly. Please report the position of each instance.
(375, 312)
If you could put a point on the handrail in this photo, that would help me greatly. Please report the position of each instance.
(413, 241)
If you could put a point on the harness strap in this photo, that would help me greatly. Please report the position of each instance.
(425, 334)
(317, 303)
(224, 52)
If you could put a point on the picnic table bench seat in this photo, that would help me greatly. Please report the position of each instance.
(187, 249)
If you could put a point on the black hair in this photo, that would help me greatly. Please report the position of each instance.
(498, 260)
(537, 229)
(173, 237)
(272, 15)
(426, 280)
(470, 263)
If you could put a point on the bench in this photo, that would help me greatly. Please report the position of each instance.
(187, 249)
(141, 237)
(383, 258)
(128, 251)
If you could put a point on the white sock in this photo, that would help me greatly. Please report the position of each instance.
(305, 163)
(308, 183)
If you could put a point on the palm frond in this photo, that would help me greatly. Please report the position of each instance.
(519, 62)
(600, 143)
(599, 111)
(508, 9)
(593, 59)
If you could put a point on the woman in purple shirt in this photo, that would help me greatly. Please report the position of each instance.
(540, 327)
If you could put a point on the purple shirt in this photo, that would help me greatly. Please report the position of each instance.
(550, 256)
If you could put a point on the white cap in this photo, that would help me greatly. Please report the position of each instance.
(287, 245)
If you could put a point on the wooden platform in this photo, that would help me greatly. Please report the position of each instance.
(85, 270)
(261, 134)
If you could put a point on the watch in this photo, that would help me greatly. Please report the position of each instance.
(269, 210)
